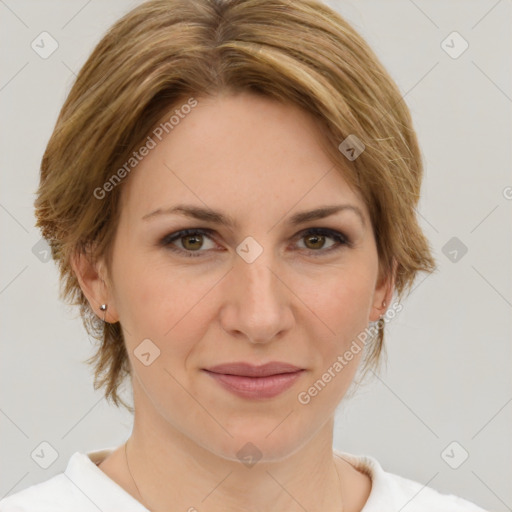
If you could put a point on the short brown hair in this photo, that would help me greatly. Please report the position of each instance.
(300, 52)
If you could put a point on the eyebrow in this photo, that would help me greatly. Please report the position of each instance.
(217, 217)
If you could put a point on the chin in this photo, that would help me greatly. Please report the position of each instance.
(265, 441)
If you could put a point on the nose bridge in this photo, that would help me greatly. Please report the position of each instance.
(254, 267)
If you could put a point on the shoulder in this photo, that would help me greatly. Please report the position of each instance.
(56, 494)
(398, 493)
(82, 487)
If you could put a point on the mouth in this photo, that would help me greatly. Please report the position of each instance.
(255, 382)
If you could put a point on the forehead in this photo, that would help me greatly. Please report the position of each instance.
(243, 154)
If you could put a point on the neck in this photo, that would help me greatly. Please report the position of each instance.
(170, 470)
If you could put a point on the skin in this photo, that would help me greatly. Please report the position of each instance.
(259, 161)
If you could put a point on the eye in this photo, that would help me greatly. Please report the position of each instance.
(192, 241)
(316, 237)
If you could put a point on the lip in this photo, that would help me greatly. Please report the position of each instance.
(250, 370)
(249, 381)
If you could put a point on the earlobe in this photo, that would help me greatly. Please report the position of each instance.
(92, 283)
(383, 295)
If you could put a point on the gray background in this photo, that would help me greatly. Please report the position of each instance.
(448, 375)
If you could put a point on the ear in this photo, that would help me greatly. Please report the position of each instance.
(383, 293)
(92, 278)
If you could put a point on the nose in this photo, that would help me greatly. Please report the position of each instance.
(257, 305)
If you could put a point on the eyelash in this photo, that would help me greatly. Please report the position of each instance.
(340, 238)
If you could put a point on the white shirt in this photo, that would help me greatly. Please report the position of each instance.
(83, 487)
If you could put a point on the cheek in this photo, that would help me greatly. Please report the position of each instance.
(343, 306)
(143, 295)
(344, 301)
(162, 304)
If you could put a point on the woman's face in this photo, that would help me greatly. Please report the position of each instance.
(258, 291)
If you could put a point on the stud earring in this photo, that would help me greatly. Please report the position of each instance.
(383, 306)
(103, 308)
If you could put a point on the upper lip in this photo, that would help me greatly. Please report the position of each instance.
(250, 370)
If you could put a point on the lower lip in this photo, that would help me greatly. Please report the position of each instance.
(256, 387)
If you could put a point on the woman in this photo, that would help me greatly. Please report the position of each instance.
(230, 195)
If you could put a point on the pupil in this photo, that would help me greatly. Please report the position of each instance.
(316, 238)
(192, 237)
